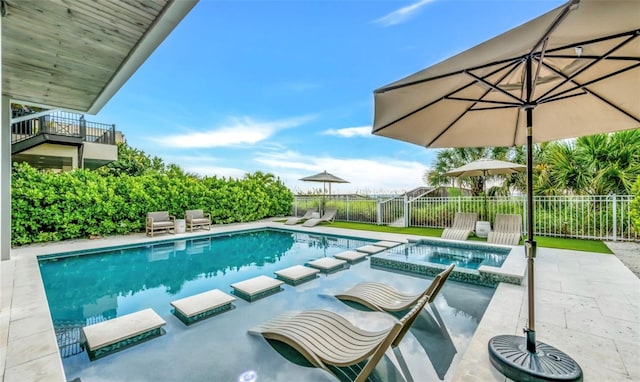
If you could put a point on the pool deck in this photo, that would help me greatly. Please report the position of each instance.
(587, 305)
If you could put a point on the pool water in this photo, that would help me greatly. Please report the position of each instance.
(463, 255)
(122, 281)
(83, 289)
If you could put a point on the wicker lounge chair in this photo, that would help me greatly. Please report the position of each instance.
(326, 338)
(328, 216)
(507, 230)
(197, 218)
(463, 224)
(307, 215)
(381, 297)
(160, 221)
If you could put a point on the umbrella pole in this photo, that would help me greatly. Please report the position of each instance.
(530, 244)
(538, 361)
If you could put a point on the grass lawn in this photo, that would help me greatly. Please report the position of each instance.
(543, 241)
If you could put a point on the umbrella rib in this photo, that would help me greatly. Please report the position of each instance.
(509, 63)
(588, 91)
(602, 57)
(505, 104)
(495, 87)
(559, 19)
(513, 65)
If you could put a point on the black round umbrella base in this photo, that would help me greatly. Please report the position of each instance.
(510, 356)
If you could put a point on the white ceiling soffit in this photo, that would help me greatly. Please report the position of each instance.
(75, 55)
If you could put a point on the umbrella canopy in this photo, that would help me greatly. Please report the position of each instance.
(484, 167)
(571, 72)
(582, 59)
(324, 177)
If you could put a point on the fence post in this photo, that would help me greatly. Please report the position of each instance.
(459, 203)
(406, 211)
(295, 205)
(615, 218)
(378, 211)
(347, 207)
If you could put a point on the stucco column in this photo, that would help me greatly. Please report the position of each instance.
(5, 177)
(5, 170)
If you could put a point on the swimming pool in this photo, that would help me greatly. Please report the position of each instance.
(87, 288)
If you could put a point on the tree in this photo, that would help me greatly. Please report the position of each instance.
(599, 164)
(132, 162)
(448, 159)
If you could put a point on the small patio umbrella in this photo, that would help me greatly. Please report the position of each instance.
(575, 70)
(483, 167)
(325, 178)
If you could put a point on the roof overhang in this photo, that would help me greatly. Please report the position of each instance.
(75, 55)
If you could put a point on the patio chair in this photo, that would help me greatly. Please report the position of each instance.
(327, 339)
(197, 218)
(463, 224)
(383, 298)
(328, 216)
(507, 230)
(160, 221)
(307, 215)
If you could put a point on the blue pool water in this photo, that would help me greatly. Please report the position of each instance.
(90, 288)
(463, 255)
(83, 289)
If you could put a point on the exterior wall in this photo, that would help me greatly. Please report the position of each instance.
(99, 151)
(49, 149)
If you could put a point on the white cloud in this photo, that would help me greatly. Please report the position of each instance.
(238, 131)
(403, 14)
(373, 175)
(348, 132)
(204, 165)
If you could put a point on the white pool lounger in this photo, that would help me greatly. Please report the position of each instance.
(203, 305)
(297, 274)
(370, 249)
(328, 264)
(351, 256)
(257, 288)
(122, 332)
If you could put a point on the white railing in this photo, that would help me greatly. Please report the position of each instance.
(584, 217)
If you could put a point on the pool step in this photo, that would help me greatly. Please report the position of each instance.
(386, 243)
(370, 249)
(257, 288)
(122, 332)
(328, 264)
(351, 256)
(297, 274)
(203, 305)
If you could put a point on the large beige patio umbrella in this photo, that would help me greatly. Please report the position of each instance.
(486, 167)
(571, 72)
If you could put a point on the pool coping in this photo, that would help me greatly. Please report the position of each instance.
(28, 349)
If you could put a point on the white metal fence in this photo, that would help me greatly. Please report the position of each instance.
(585, 217)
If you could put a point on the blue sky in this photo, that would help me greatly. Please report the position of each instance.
(286, 87)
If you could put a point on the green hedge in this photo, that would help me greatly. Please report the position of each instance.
(49, 206)
(635, 205)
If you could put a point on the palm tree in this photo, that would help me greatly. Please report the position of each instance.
(448, 159)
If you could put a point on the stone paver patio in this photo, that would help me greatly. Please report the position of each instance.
(587, 305)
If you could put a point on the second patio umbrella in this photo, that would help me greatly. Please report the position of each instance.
(325, 178)
(486, 167)
(575, 69)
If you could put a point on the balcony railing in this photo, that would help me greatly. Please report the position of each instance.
(62, 124)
